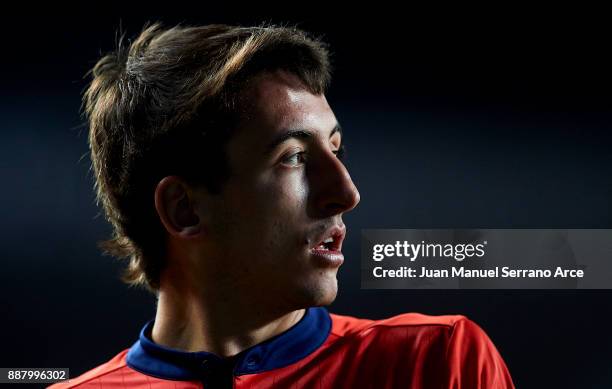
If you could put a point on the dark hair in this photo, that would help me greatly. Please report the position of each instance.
(166, 104)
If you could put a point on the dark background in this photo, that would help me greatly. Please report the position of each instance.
(463, 120)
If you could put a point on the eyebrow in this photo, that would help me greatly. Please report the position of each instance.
(297, 134)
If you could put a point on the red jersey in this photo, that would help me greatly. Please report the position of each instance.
(321, 351)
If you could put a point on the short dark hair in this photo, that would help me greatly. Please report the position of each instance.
(166, 104)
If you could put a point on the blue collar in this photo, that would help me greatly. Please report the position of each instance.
(282, 350)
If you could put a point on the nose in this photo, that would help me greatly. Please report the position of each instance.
(332, 188)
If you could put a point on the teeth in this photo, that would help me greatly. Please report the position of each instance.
(328, 240)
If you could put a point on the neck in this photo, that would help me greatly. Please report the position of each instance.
(205, 322)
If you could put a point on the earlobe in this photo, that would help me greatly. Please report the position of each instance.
(175, 207)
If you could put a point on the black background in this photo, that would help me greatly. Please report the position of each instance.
(478, 119)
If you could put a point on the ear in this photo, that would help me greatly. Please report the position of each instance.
(175, 205)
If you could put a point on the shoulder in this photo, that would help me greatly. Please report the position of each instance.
(473, 359)
(101, 373)
(454, 346)
(347, 325)
(407, 336)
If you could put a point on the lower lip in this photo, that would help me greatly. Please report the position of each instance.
(328, 258)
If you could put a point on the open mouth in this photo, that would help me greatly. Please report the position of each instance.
(327, 244)
(328, 252)
(331, 241)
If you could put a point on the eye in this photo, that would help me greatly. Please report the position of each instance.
(340, 152)
(295, 159)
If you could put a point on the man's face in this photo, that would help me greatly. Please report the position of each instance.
(285, 196)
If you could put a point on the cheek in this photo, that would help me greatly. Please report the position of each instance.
(266, 214)
(279, 194)
(281, 210)
(290, 189)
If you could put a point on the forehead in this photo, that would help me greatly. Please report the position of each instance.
(280, 101)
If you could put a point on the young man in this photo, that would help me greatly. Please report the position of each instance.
(218, 162)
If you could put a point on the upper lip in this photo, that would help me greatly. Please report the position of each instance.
(337, 232)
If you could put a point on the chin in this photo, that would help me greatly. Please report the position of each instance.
(319, 293)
